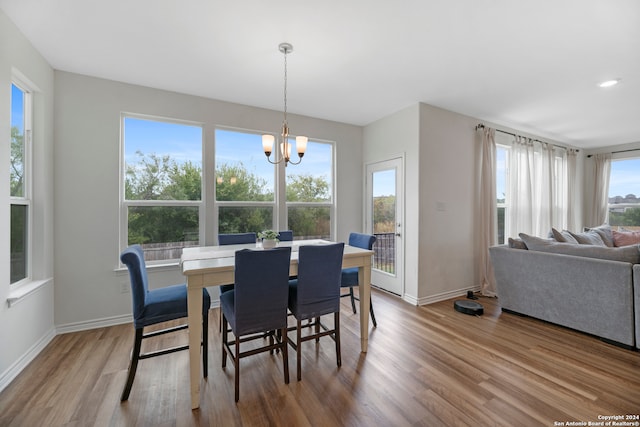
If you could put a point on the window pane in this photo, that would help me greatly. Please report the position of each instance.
(309, 222)
(19, 221)
(163, 231)
(624, 194)
(243, 174)
(310, 181)
(244, 219)
(17, 142)
(163, 160)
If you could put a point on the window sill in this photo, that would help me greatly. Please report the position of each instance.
(22, 291)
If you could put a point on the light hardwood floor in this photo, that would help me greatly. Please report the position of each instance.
(426, 366)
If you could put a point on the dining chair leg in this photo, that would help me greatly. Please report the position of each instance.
(317, 323)
(373, 316)
(336, 334)
(205, 344)
(353, 300)
(285, 354)
(298, 350)
(237, 369)
(133, 364)
(225, 340)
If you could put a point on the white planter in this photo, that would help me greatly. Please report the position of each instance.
(269, 243)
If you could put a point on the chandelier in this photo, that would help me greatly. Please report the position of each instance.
(285, 145)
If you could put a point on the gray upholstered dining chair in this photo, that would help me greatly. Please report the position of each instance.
(315, 293)
(257, 306)
(350, 275)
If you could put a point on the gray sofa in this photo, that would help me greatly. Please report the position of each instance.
(577, 290)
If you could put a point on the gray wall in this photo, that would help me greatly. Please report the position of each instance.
(27, 326)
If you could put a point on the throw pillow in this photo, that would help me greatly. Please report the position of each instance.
(516, 244)
(563, 236)
(605, 233)
(630, 254)
(591, 237)
(534, 243)
(626, 238)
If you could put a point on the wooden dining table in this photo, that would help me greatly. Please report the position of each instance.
(215, 265)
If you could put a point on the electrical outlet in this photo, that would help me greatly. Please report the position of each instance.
(124, 287)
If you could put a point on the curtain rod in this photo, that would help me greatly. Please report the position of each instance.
(621, 151)
(481, 126)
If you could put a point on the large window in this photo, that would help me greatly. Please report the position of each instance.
(250, 197)
(245, 183)
(624, 194)
(162, 185)
(531, 187)
(310, 193)
(164, 203)
(19, 182)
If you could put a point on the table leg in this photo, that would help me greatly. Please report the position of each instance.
(364, 286)
(194, 311)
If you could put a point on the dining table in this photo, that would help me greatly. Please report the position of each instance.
(206, 266)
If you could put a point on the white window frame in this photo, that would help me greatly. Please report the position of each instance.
(26, 199)
(126, 204)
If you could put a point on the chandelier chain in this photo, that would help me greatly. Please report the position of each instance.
(285, 85)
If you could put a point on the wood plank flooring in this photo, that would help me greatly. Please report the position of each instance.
(426, 366)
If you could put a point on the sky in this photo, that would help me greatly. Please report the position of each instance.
(625, 177)
(17, 108)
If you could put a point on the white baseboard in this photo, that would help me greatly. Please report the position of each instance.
(15, 369)
(94, 324)
(446, 295)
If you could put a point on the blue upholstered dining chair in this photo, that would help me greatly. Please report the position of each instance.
(153, 306)
(257, 305)
(350, 275)
(285, 236)
(234, 239)
(316, 292)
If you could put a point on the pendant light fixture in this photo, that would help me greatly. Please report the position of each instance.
(285, 145)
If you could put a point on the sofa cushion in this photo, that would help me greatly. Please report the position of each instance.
(626, 238)
(630, 254)
(563, 236)
(590, 237)
(605, 233)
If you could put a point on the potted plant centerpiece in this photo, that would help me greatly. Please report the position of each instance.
(269, 238)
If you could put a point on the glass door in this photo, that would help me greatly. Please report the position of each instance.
(385, 221)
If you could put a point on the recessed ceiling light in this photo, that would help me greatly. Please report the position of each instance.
(609, 83)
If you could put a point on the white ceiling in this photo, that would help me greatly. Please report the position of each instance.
(533, 65)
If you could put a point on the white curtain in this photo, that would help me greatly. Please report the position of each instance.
(599, 209)
(488, 218)
(535, 204)
(572, 200)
